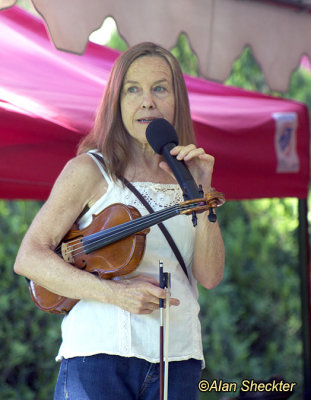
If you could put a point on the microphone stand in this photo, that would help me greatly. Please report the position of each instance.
(165, 283)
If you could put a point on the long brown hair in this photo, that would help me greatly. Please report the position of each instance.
(109, 134)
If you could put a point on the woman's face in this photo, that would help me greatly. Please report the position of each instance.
(147, 94)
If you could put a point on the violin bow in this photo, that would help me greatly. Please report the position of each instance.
(165, 283)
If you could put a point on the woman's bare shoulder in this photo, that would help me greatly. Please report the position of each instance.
(80, 181)
(82, 165)
(79, 185)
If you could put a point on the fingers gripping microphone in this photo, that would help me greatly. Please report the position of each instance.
(162, 137)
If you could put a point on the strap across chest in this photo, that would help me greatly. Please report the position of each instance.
(140, 197)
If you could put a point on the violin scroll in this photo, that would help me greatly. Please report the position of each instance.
(210, 201)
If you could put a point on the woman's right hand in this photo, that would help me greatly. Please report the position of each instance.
(139, 295)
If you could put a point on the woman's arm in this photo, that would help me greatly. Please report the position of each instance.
(209, 252)
(79, 184)
(36, 259)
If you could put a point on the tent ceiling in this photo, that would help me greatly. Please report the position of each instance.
(218, 31)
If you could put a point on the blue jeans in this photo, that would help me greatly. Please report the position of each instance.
(108, 377)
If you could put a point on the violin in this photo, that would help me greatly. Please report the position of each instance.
(112, 245)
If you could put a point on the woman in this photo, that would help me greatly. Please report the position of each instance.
(110, 347)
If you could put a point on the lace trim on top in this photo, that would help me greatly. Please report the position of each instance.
(158, 195)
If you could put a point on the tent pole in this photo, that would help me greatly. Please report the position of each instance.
(304, 267)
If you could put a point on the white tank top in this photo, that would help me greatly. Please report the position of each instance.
(94, 327)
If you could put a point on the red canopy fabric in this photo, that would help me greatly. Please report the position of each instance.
(48, 101)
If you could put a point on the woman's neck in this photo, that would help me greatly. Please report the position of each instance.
(144, 166)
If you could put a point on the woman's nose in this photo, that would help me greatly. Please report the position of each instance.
(148, 101)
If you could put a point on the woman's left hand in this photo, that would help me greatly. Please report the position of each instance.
(199, 163)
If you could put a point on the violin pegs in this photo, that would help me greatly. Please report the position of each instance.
(194, 219)
(212, 217)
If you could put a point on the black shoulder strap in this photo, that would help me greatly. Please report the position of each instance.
(165, 232)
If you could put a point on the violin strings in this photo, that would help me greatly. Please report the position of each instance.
(116, 230)
(124, 228)
(72, 243)
(103, 234)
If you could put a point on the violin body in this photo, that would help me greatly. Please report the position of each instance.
(116, 259)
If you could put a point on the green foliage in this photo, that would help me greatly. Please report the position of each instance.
(117, 42)
(247, 74)
(27, 5)
(251, 322)
(29, 338)
(299, 89)
(187, 59)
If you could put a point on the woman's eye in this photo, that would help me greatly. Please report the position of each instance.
(159, 89)
(132, 89)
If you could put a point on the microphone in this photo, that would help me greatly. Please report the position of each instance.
(162, 137)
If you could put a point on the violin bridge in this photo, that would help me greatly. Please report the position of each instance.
(67, 255)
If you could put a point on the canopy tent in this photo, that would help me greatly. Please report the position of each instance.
(218, 30)
(48, 100)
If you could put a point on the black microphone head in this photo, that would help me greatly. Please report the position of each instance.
(159, 133)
